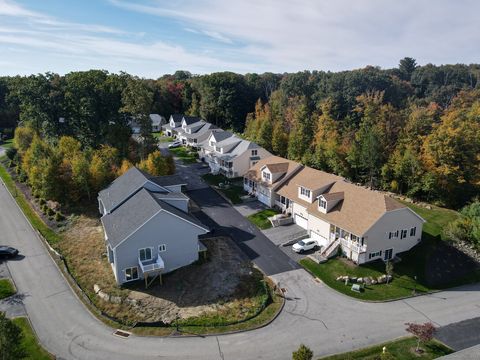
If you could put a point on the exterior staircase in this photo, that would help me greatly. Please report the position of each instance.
(331, 249)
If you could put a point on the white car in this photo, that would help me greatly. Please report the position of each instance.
(175, 144)
(304, 245)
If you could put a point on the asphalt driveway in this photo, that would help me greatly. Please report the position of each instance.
(460, 335)
(228, 221)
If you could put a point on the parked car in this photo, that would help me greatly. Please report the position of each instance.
(8, 252)
(304, 245)
(175, 144)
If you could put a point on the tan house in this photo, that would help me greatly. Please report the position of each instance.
(366, 224)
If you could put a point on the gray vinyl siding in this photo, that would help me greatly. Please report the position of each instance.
(179, 236)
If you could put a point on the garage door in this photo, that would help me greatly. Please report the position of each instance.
(321, 240)
(301, 221)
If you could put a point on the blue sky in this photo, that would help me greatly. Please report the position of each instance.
(152, 37)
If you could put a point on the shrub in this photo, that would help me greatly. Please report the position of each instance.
(59, 217)
(303, 353)
(42, 202)
(44, 208)
(11, 152)
(50, 212)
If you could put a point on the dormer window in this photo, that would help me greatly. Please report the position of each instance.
(212, 143)
(323, 204)
(254, 152)
(305, 192)
(266, 176)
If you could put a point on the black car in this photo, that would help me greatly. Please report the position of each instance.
(8, 252)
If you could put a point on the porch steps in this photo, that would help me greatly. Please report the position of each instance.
(331, 249)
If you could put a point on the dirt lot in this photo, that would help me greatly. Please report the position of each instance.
(225, 286)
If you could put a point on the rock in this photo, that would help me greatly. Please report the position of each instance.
(340, 278)
(360, 280)
(132, 302)
(96, 288)
(103, 296)
(428, 207)
(374, 282)
(388, 278)
(382, 279)
(116, 299)
(367, 281)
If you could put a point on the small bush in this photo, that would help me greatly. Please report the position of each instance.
(42, 202)
(50, 212)
(44, 209)
(59, 217)
(303, 353)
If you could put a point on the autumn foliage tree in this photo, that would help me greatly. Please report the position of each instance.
(423, 332)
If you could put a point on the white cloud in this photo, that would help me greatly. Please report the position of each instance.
(286, 35)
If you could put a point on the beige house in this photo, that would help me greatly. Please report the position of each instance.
(366, 224)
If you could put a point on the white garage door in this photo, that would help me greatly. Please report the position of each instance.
(301, 221)
(321, 240)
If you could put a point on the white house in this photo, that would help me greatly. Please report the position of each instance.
(230, 155)
(156, 120)
(367, 225)
(136, 210)
(174, 125)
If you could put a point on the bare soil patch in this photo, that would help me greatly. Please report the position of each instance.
(225, 286)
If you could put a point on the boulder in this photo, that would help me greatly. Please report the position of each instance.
(340, 278)
(360, 280)
(388, 278)
(103, 296)
(367, 281)
(96, 288)
(428, 207)
(374, 282)
(132, 302)
(382, 279)
(116, 299)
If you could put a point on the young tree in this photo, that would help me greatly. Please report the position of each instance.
(279, 140)
(156, 164)
(124, 167)
(303, 353)
(389, 270)
(10, 340)
(423, 332)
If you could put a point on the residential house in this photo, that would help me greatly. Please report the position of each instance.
(230, 155)
(174, 125)
(137, 209)
(367, 225)
(267, 175)
(156, 120)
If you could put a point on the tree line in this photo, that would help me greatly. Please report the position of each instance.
(411, 129)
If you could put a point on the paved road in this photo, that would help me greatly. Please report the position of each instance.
(268, 257)
(314, 314)
(461, 335)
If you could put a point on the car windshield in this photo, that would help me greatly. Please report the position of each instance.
(301, 243)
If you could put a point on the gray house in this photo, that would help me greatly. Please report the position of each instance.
(148, 230)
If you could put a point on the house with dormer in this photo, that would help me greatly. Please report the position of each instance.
(173, 126)
(366, 225)
(147, 226)
(227, 154)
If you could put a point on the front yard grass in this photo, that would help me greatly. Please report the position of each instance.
(399, 349)
(186, 155)
(6, 288)
(233, 190)
(162, 138)
(33, 350)
(261, 218)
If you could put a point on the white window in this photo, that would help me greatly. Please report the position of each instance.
(212, 143)
(145, 254)
(304, 192)
(403, 234)
(254, 152)
(375, 254)
(131, 273)
(323, 204)
(162, 248)
(413, 231)
(266, 176)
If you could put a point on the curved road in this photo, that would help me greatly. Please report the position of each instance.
(315, 315)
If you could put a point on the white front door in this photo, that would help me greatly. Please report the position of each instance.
(321, 240)
(301, 221)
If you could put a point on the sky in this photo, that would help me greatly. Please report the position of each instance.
(150, 38)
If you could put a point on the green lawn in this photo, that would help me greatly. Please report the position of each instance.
(162, 138)
(437, 218)
(186, 155)
(234, 191)
(261, 218)
(399, 349)
(6, 288)
(32, 348)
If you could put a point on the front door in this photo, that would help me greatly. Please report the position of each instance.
(388, 254)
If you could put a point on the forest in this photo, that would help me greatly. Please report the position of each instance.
(413, 130)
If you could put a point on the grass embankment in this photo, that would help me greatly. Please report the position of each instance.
(52, 237)
(260, 219)
(431, 262)
(233, 189)
(186, 155)
(6, 288)
(399, 349)
(30, 344)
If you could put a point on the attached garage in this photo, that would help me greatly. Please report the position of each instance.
(264, 199)
(321, 240)
(301, 221)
